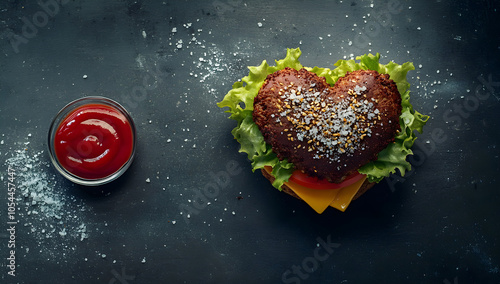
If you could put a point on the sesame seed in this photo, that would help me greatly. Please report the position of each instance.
(330, 128)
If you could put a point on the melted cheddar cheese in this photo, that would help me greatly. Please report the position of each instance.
(320, 199)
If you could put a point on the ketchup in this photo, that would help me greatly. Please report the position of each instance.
(94, 141)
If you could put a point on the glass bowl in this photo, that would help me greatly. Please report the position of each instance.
(69, 113)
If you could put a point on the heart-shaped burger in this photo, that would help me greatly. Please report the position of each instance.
(325, 135)
(328, 132)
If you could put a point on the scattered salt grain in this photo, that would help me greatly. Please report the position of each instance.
(52, 215)
(179, 44)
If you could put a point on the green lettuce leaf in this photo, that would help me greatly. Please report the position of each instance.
(240, 98)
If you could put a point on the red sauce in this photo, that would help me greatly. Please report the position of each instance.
(94, 141)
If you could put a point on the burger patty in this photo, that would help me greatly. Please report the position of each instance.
(328, 131)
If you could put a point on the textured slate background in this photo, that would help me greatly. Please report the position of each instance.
(168, 63)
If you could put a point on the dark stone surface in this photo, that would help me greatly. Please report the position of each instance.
(439, 224)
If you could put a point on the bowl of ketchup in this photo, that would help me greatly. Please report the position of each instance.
(92, 141)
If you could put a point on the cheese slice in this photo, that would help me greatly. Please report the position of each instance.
(320, 199)
(346, 194)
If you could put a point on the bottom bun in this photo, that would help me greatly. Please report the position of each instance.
(364, 187)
